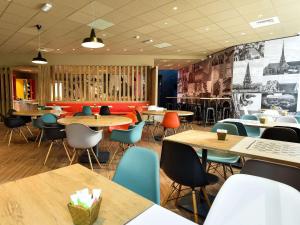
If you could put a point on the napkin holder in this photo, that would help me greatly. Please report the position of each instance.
(83, 216)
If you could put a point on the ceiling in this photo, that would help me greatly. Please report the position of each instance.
(174, 64)
(192, 27)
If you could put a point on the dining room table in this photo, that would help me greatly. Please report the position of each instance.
(96, 122)
(36, 113)
(180, 113)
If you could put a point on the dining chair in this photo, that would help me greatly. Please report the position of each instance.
(251, 131)
(222, 158)
(13, 123)
(281, 134)
(182, 165)
(104, 110)
(79, 114)
(27, 119)
(55, 134)
(131, 116)
(170, 121)
(286, 119)
(282, 173)
(138, 171)
(81, 137)
(126, 138)
(241, 128)
(87, 110)
(48, 119)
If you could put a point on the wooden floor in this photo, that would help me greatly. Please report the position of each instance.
(22, 160)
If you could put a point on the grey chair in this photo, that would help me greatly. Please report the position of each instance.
(82, 137)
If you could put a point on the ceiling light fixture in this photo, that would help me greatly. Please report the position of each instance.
(92, 41)
(137, 37)
(265, 22)
(243, 33)
(175, 8)
(47, 7)
(39, 59)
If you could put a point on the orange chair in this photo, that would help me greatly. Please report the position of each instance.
(131, 116)
(139, 108)
(170, 121)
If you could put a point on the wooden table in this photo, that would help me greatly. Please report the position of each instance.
(36, 113)
(244, 146)
(161, 113)
(256, 123)
(43, 198)
(90, 121)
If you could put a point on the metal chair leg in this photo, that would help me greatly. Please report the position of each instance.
(224, 171)
(171, 191)
(90, 160)
(48, 153)
(178, 194)
(10, 135)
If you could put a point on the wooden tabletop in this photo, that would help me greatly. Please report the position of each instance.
(35, 113)
(43, 198)
(90, 121)
(276, 151)
(256, 123)
(162, 112)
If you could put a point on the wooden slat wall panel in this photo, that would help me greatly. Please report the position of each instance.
(96, 83)
(6, 90)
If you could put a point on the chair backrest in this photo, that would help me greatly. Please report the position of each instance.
(79, 114)
(181, 163)
(249, 117)
(38, 123)
(54, 132)
(281, 173)
(138, 116)
(49, 118)
(137, 131)
(286, 119)
(81, 136)
(139, 108)
(138, 171)
(231, 128)
(87, 110)
(280, 134)
(241, 128)
(104, 110)
(171, 120)
(132, 116)
(297, 113)
(58, 108)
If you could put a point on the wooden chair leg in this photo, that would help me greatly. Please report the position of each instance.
(96, 158)
(30, 132)
(178, 194)
(73, 157)
(37, 137)
(48, 153)
(231, 170)
(195, 209)
(171, 191)
(23, 135)
(66, 150)
(206, 196)
(6, 134)
(90, 160)
(10, 135)
(41, 136)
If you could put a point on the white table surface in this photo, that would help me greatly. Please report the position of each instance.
(251, 200)
(157, 215)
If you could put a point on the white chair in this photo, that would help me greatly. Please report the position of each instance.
(82, 137)
(286, 119)
(57, 108)
(248, 200)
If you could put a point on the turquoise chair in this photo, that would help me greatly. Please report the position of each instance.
(251, 131)
(49, 118)
(138, 171)
(222, 158)
(87, 110)
(297, 116)
(127, 137)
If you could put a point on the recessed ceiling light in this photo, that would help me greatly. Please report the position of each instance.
(175, 8)
(265, 22)
(58, 49)
(243, 33)
(271, 33)
(162, 45)
(125, 50)
(47, 7)
(141, 50)
(206, 28)
(137, 37)
(108, 49)
(148, 41)
(73, 49)
(178, 50)
(226, 41)
(104, 35)
(166, 23)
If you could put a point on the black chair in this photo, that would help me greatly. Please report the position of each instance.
(138, 116)
(241, 128)
(181, 163)
(54, 133)
(297, 130)
(79, 114)
(13, 123)
(281, 173)
(104, 110)
(280, 134)
(226, 109)
(27, 119)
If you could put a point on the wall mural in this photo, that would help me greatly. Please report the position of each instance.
(259, 75)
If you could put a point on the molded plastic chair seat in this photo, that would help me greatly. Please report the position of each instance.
(104, 111)
(130, 136)
(281, 134)
(87, 110)
(246, 199)
(251, 131)
(138, 171)
(219, 157)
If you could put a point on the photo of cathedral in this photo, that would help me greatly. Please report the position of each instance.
(282, 67)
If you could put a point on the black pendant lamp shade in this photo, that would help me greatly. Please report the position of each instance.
(92, 41)
(39, 59)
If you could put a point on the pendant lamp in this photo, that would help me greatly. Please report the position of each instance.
(92, 41)
(39, 59)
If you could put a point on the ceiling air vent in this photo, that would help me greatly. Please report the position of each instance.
(264, 22)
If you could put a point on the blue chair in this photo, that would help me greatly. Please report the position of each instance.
(138, 171)
(49, 118)
(251, 131)
(241, 128)
(87, 110)
(222, 158)
(127, 137)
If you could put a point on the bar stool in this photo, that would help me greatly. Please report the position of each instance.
(210, 115)
(226, 110)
